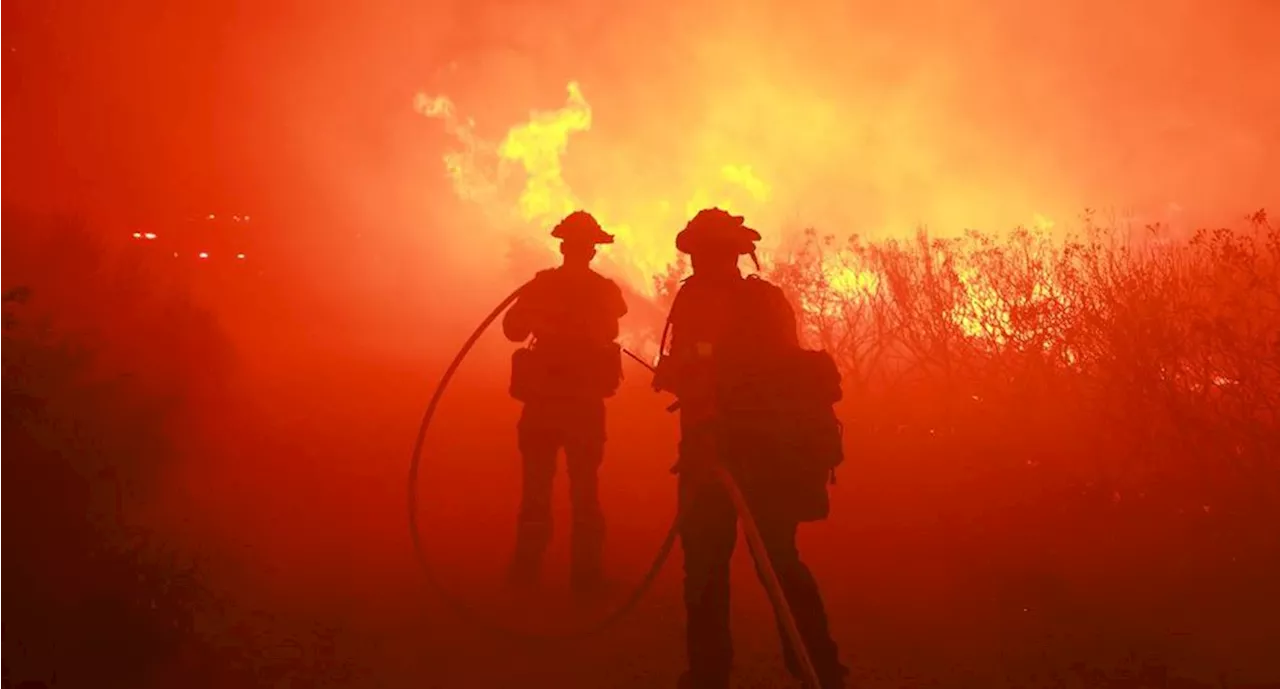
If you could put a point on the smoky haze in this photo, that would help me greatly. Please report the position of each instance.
(366, 270)
(860, 117)
(879, 118)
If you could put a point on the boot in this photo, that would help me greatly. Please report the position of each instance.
(586, 566)
(526, 564)
(586, 580)
(687, 681)
(837, 678)
(524, 572)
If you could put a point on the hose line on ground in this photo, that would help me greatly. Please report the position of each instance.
(755, 544)
(769, 578)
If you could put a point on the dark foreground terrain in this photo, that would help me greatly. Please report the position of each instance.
(180, 511)
(925, 585)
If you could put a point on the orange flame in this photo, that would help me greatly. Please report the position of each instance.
(645, 232)
(521, 181)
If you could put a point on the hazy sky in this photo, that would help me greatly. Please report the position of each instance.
(859, 116)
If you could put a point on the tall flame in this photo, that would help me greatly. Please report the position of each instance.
(521, 180)
(535, 151)
(539, 147)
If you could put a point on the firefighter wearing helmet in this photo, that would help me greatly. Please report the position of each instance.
(569, 316)
(728, 333)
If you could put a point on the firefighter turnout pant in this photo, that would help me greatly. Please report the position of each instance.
(578, 427)
(708, 534)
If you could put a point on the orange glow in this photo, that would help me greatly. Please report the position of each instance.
(535, 152)
(1033, 440)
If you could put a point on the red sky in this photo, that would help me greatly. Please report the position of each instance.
(860, 116)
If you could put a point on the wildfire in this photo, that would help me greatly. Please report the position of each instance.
(521, 180)
(850, 282)
(483, 172)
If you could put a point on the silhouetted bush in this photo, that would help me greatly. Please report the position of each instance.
(1086, 428)
(104, 366)
(1167, 353)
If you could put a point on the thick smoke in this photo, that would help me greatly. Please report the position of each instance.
(858, 117)
(863, 118)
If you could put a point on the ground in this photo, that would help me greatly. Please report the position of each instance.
(918, 595)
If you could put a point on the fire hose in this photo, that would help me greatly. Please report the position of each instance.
(754, 541)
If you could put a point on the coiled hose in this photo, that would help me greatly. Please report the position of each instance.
(754, 542)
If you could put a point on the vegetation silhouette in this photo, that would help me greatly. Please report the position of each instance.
(107, 365)
(1071, 446)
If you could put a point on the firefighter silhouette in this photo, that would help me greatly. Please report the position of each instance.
(728, 335)
(570, 366)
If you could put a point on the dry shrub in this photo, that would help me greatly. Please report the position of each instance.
(1115, 399)
(1156, 358)
(1084, 428)
(1171, 350)
(1080, 427)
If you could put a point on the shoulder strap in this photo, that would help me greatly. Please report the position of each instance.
(666, 329)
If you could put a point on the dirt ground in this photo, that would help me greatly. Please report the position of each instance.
(921, 590)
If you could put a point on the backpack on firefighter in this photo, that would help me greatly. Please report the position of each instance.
(787, 394)
(775, 402)
(786, 404)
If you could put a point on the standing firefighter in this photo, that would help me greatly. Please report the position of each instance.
(754, 402)
(563, 376)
